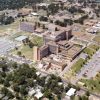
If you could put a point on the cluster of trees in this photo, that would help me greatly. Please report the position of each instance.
(53, 8)
(22, 78)
(18, 80)
(4, 20)
(28, 42)
(43, 18)
(73, 10)
(52, 87)
(60, 23)
(64, 23)
(81, 20)
(97, 11)
(83, 97)
(70, 21)
(38, 24)
(7, 92)
(16, 4)
(81, 1)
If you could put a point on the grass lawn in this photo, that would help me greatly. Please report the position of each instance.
(26, 51)
(14, 25)
(74, 69)
(78, 65)
(38, 41)
(93, 84)
(98, 33)
(89, 51)
(97, 39)
(93, 46)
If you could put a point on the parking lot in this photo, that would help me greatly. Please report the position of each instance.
(91, 68)
(93, 65)
(5, 46)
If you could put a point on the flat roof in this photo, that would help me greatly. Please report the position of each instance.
(27, 23)
(21, 38)
(31, 92)
(34, 14)
(38, 95)
(71, 51)
(63, 42)
(71, 92)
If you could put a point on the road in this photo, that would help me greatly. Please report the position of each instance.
(18, 59)
(67, 68)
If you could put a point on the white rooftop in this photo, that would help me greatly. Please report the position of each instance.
(34, 14)
(38, 95)
(71, 92)
(38, 73)
(31, 92)
(21, 38)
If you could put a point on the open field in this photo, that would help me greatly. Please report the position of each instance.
(38, 41)
(89, 51)
(5, 29)
(78, 65)
(25, 50)
(93, 46)
(97, 39)
(93, 84)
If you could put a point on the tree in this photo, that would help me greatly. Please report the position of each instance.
(84, 98)
(42, 18)
(48, 94)
(62, 6)
(21, 80)
(38, 24)
(68, 21)
(16, 88)
(30, 83)
(69, 85)
(41, 81)
(23, 90)
(18, 97)
(3, 74)
(10, 95)
(87, 93)
(4, 90)
(1, 80)
(56, 29)
(8, 20)
(53, 8)
(14, 65)
(6, 83)
(16, 4)
(19, 53)
(43, 26)
(4, 67)
(72, 9)
(31, 44)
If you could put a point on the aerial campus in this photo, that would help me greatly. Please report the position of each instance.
(49, 50)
